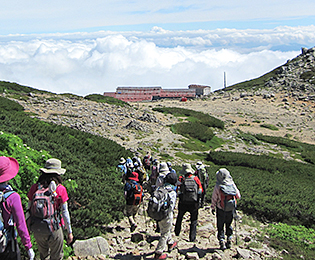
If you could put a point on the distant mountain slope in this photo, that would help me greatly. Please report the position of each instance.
(296, 76)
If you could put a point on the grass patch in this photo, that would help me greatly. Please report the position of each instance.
(270, 126)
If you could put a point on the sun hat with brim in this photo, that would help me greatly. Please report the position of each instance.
(186, 169)
(9, 168)
(134, 176)
(224, 177)
(53, 166)
(163, 169)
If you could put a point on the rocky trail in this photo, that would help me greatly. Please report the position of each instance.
(121, 243)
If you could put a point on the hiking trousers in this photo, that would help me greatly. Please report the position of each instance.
(224, 218)
(192, 208)
(166, 239)
(50, 246)
(131, 211)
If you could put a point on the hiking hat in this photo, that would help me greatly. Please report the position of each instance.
(171, 178)
(224, 177)
(122, 160)
(169, 164)
(186, 168)
(164, 168)
(134, 176)
(9, 168)
(199, 165)
(53, 166)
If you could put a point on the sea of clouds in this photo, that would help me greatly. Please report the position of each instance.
(97, 62)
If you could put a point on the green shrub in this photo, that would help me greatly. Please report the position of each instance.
(193, 116)
(270, 126)
(194, 130)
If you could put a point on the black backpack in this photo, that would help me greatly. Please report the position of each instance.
(159, 204)
(189, 189)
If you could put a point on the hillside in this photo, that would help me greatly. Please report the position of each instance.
(269, 105)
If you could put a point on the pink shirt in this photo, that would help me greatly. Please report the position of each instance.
(13, 206)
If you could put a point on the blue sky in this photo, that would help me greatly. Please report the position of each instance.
(85, 47)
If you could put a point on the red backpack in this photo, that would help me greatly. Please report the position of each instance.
(43, 212)
(137, 193)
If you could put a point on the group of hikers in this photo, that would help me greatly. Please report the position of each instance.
(46, 216)
(164, 187)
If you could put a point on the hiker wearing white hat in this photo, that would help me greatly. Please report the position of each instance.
(203, 176)
(50, 240)
(12, 213)
(223, 202)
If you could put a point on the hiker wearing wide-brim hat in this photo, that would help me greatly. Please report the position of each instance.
(133, 193)
(51, 244)
(163, 171)
(9, 168)
(189, 190)
(224, 215)
(53, 166)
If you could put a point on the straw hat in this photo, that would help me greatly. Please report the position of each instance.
(53, 166)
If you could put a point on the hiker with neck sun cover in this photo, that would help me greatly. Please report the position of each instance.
(12, 214)
(48, 211)
(223, 202)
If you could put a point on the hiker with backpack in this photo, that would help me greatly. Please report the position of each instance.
(12, 214)
(154, 174)
(47, 222)
(188, 190)
(203, 176)
(122, 168)
(133, 193)
(147, 161)
(166, 241)
(223, 202)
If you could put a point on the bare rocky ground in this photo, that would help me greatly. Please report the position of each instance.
(140, 128)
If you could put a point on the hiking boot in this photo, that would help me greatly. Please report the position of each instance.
(222, 245)
(228, 244)
(160, 256)
(171, 247)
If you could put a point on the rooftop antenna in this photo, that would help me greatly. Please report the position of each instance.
(224, 79)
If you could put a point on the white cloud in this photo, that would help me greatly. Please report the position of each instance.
(85, 63)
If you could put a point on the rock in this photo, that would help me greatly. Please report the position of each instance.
(90, 247)
(243, 253)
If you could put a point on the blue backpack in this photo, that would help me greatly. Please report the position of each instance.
(6, 235)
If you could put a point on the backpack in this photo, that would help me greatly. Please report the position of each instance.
(137, 193)
(228, 197)
(159, 204)
(44, 217)
(5, 234)
(189, 189)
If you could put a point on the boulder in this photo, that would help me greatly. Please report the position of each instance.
(90, 247)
